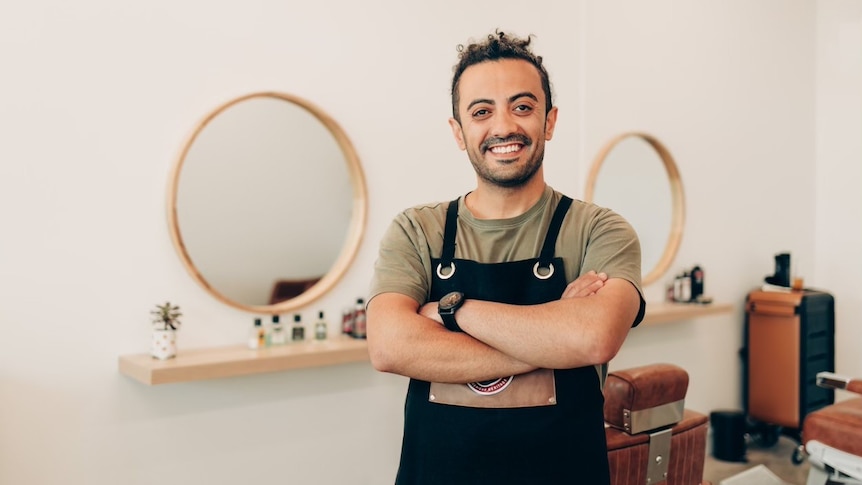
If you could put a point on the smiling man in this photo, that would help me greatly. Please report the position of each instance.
(504, 305)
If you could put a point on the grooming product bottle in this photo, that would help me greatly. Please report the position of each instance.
(347, 314)
(696, 282)
(257, 335)
(359, 319)
(298, 333)
(267, 334)
(320, 330)
(277, 335)
(685, 290)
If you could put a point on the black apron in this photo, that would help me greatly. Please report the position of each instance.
(560, 441)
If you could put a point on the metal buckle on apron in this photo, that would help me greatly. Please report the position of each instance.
(536, 388)
(535, 271)
(451, 271)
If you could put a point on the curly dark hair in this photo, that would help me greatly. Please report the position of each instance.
(497, 46)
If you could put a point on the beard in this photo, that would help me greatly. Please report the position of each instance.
(515, 176)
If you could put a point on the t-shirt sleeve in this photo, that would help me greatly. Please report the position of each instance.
(399, 266)
(614, 249)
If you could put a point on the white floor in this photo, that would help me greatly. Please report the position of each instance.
(776, 459)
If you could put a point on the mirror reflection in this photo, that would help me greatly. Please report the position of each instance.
(267, 203)
(636, 176)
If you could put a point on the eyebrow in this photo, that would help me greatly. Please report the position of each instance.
(525, 94)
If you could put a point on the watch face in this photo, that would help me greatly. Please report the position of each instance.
(450, 300)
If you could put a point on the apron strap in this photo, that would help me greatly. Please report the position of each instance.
(547, 255)
(545, 258)
(449, 233)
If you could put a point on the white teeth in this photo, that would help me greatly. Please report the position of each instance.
(505, 149)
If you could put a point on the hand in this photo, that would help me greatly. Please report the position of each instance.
(585, 285)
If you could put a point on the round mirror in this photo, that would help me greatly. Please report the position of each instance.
(267, 203)
(635, 176)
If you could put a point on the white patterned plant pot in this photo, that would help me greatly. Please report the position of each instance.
(164, 344)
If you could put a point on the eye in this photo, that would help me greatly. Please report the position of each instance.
(523, 108)
(481, 113)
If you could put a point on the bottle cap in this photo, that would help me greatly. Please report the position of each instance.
(275, 319)
(257, 322)
(296, 317)
(320, 314)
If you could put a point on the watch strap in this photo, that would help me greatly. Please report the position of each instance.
(449, 322)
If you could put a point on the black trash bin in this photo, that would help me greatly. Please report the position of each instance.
(728, 435)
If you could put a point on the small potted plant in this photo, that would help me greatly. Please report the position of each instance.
(166, 322)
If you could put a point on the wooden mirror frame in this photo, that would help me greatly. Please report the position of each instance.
(677, 198)
(354, 233)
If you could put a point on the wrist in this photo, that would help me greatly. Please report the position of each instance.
(447, 308)
(451, 324)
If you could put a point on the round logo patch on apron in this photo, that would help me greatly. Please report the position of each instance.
(490, 387)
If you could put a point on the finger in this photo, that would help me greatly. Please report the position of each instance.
(588, 284)
(581, 282)
(574, 288)
(593, 288)
(584, 285)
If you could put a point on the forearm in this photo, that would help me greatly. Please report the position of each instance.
(566, 333)
(401, 341)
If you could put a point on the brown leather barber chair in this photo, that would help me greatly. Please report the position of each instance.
(652, 439)
(832, 435)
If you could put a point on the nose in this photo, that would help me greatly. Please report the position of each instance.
(504, 124)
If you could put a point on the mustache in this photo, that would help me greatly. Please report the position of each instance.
(516, 137)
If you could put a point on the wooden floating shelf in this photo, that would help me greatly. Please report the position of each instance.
(238, 360)
(664, 312)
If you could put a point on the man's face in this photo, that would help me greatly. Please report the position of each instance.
(503, 124)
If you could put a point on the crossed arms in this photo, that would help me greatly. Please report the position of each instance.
(586, 326)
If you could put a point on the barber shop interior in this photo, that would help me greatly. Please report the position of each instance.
(246, 324)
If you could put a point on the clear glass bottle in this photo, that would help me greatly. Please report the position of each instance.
(320, 327)
(685, 290)
(298, 333)
(277, 335)
(257, 335)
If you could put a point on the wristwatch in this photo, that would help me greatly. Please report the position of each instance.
(446, 308)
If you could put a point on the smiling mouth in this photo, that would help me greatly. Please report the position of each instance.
(505, 149)
(505, 146)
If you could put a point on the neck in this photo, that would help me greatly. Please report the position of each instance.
(495, 202)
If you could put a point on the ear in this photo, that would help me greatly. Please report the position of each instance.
(550, 122)
(458, 133)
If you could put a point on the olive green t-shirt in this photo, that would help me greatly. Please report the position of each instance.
(591, 238)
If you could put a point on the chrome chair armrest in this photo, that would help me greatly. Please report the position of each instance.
(830, 380)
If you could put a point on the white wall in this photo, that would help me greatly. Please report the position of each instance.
(728, 88)
(838, 225)
(96, 98)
